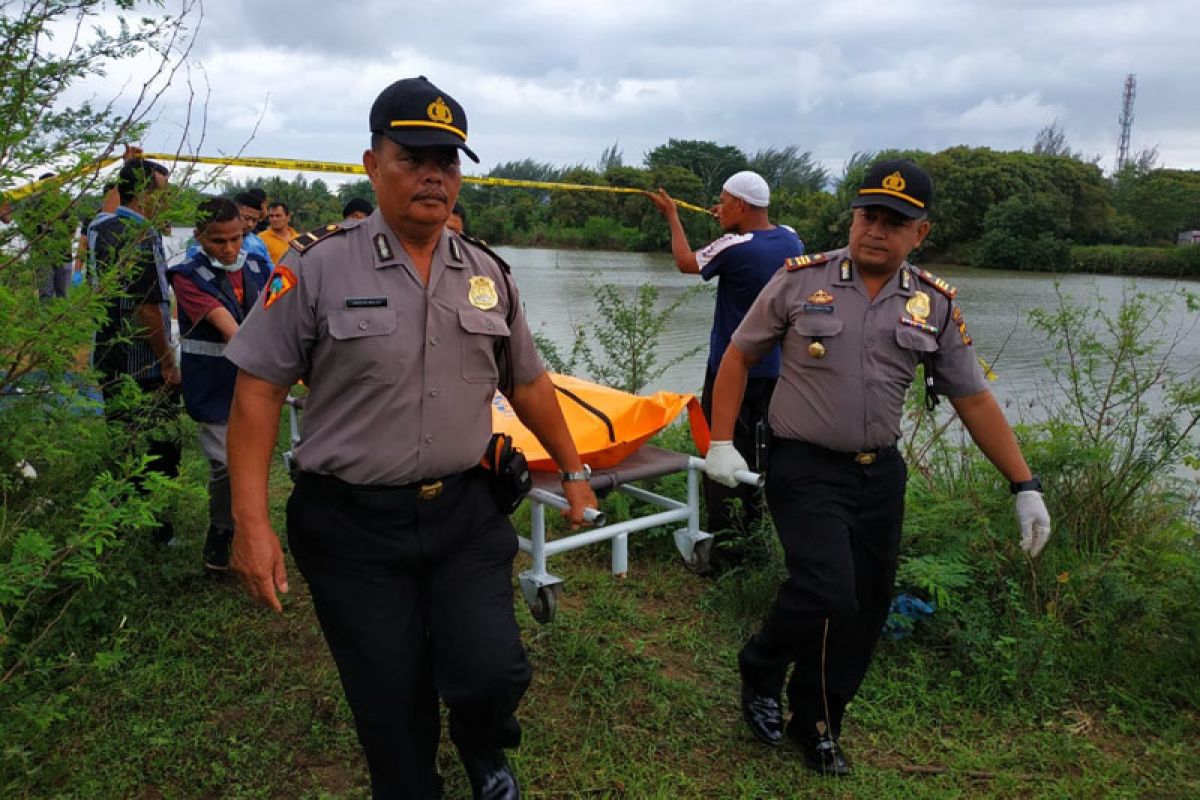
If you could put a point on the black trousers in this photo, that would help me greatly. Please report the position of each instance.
(718, 498)
(839, 522)
(415, 600)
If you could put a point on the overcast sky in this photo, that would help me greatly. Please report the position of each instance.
(561, 81)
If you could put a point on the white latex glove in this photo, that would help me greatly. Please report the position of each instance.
(722, 461)
(1035, 521)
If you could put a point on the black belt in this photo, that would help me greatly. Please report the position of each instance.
(862, 457)
(382, 497)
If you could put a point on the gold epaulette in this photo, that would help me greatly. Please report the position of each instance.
(803, 262)
(936, 282)
(307, 240)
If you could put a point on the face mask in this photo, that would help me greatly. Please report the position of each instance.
(234, 267)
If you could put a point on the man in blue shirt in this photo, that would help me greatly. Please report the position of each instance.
(134, 338)
(745, 258)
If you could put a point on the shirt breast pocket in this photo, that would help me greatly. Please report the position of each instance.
(363, 346)
(481, 330)
(817, 328)
(915, 344)
(915, 340)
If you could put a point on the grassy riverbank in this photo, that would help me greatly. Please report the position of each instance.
(635, 696)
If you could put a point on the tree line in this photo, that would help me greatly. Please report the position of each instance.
(1014, 210)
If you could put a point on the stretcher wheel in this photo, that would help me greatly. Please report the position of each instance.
(543, 608)
(701, 558)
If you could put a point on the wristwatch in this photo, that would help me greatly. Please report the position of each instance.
(1034, 484)
(581, 475)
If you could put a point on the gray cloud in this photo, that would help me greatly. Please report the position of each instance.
(559, 81)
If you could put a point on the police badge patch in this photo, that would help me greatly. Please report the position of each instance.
(482, 292)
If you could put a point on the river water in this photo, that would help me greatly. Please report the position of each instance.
(557, 290)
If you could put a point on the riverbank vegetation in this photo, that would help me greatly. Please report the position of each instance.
(1049, 210)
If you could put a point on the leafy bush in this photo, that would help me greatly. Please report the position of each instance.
(1113, 603)
(72, 485)
(1025, 232)
(617, 343)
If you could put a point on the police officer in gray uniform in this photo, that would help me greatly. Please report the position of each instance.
(402, 332)
(853, 324)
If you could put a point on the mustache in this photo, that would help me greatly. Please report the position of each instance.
(431, 194)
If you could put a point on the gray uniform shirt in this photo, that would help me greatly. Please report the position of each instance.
(851, 399)
(401, 376)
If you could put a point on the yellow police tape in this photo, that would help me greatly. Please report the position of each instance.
(330, 166)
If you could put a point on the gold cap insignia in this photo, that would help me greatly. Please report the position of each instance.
(438, 111)
(820, 297)
(918, 306)
(482, 293)
(894, 182)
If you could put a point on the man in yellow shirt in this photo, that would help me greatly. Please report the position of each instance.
(279, 232)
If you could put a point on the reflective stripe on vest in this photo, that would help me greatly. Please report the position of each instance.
(199, 347)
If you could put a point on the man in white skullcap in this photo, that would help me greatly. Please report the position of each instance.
(745, 258)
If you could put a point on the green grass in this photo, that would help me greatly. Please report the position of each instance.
(634, 696)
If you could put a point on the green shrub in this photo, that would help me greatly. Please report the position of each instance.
(1113, 602)
(1025, 232)
(617, 343)
(1180, 261)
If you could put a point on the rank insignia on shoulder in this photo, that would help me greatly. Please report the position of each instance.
(801, 262)
(307, 240)
(936, 282)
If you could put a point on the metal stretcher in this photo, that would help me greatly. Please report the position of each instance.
(541, 588)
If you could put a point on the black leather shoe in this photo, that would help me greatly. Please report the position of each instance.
(491, 777)
(823, 755)
(763, 715)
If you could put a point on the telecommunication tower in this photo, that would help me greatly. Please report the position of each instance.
(1126, 121)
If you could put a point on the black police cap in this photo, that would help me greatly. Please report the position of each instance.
(898, 184)
(414, 113)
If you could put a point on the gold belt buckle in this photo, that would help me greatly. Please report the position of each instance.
(865, 458)
(429, 491)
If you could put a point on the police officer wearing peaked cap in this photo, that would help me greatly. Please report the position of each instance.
(853, 325)
(400, 330)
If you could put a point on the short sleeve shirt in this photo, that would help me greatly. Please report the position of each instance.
(848, 395)
(401, 375)
(197, 303)
(744, 263)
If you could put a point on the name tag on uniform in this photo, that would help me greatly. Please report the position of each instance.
(366, 302)
(813, 308)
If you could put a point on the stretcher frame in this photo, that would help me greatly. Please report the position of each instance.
(541, 588)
